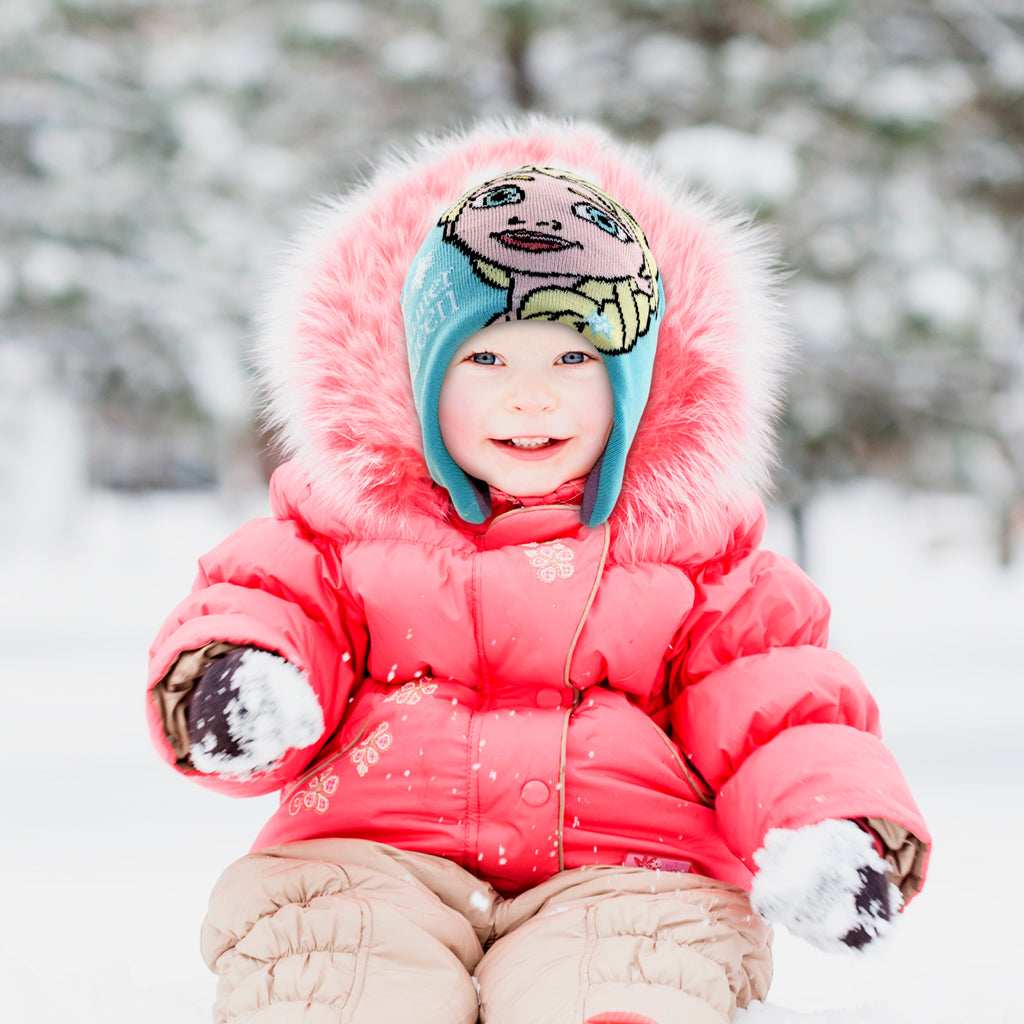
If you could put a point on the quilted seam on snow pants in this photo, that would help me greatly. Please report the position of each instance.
(344, 931)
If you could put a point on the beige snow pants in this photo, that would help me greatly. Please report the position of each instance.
(333, 931)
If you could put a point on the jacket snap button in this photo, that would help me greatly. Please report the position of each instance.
(549, 697)
(535, 793)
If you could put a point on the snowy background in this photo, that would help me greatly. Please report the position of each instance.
(110, 856)
(152, 155)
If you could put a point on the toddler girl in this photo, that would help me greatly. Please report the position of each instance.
(541, 711)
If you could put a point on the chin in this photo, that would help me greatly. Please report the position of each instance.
(532, 489)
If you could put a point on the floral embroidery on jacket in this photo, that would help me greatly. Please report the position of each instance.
(368, 752)
(552, 561)
(411, 692)
(316, 794)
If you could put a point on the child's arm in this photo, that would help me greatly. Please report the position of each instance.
(783, 729)
(269, 586)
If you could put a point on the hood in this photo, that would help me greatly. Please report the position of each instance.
(335, 373)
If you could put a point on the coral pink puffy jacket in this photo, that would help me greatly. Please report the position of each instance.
(530, 694)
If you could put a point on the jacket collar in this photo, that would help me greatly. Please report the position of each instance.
(570, 493)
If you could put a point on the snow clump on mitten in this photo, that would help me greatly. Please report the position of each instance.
(250, 708)
(825, 883)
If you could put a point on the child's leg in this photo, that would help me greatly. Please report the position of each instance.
(333, 931)
(678, 948)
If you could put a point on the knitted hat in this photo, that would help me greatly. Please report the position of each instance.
(534, 244)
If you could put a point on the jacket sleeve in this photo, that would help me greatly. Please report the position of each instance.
(269, 585)
(783, 729)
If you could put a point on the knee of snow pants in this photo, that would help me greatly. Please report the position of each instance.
(675, 947)
(339, 931)
(332, 931)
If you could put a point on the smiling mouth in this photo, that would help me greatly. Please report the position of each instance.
(532, 241)
(530, 444)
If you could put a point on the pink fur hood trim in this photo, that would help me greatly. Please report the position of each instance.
(334, 368)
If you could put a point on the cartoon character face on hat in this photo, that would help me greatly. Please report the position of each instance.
(562, 249)
(534, 243)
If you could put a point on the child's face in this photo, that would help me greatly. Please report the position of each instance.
(526, 406)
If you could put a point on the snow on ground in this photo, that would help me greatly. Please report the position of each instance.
(109, 855)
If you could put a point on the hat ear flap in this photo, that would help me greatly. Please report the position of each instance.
(591, 488)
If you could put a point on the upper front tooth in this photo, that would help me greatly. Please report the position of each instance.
(529, 442)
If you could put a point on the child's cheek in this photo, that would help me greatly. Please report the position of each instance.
(460, 416)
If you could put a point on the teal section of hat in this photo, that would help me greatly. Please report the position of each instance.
(630, 376)
(536, 243)
(443, 303)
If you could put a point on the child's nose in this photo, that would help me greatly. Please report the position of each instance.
(531, 396)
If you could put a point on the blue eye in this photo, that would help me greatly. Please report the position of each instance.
(604, 220)
(501, 195)
(483, 358)
(575, 357)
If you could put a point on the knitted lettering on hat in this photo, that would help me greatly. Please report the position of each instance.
(534, 243)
